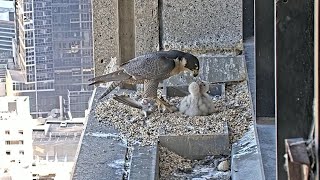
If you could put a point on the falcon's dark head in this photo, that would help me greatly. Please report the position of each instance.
(186, 61)
(192, 63)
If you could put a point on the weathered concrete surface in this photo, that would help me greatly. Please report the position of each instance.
(144, 163)
(214, 69)
(102, 157)
(246, 160)
(105, 33)
(197, 146)
(202, 25)
(102, 153)
(146, 26)
(181, 91)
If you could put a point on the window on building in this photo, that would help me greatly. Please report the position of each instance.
(20, 142)
(20, 131)
(8, 153)
(21, 152)
(7, 132)
(8, 142)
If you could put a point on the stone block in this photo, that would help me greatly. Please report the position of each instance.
(146, 26)
(144, 163)
(197, 146)
(105, 33)
(202, 25)
(213, 69)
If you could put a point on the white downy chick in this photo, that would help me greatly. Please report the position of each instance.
(206, 104)
(189, 104)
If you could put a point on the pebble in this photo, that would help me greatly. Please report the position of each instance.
(224, 166)
(173, 166)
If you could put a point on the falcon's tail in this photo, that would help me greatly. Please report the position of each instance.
(112, 86)
(119, 75)
(127, 101)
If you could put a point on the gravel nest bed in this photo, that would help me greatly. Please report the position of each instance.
(173, 166)
(235, 109)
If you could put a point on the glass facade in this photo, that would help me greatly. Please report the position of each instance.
(55, 52)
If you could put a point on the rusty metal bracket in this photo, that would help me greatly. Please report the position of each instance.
(297, 161)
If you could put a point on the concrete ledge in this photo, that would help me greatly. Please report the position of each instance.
(102, 153)
(246, 158)
(214, 69)
(144, 163)
(197, 146)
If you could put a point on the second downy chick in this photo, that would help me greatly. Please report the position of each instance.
(206, 104)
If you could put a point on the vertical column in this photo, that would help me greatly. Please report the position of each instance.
(126, 30)
(105, 33)
(126, 33)
(295, 71)
(146, 26)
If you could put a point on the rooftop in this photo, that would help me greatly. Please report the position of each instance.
(16, 75)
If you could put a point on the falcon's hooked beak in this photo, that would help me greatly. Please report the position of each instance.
(195, 73)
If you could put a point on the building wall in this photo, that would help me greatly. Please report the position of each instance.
(15, 131)
(21, 104)
(18, 145)
(200, 27)
(2, 89)
(7, 32)
(7, 26)
(55, 50)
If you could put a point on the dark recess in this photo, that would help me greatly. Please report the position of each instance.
(295, 68)
(248, 18)
(265, 82)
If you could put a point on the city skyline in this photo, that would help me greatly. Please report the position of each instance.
(53, 57)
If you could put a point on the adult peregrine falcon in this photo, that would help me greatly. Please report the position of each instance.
(150, 69)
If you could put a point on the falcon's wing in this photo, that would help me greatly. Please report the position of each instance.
(152, 66)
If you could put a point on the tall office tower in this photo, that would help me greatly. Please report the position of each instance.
(54, 46)
(7, 34)
(7, 28)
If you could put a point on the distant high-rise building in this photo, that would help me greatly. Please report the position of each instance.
(7, 27)
(54, 46)
(7, 34)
